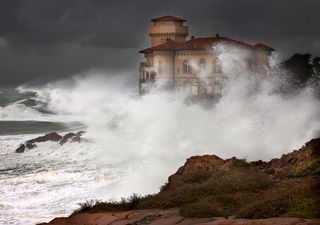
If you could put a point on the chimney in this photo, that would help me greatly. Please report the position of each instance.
(217, 35)
(192, 37)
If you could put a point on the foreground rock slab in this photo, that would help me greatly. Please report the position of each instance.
(168, 217)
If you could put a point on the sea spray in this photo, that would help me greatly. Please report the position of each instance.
(150, 136)
(135, 142)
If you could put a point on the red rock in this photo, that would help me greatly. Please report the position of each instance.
(169, 217)
(72, 137)
(69, 137)
(48, 137)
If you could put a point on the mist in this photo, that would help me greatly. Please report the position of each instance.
(150, 136)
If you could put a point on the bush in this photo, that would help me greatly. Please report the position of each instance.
(311, 168)
(263, 209)
(202, 209)
(98, 206)
(239, 191)
(299, 201)
(305, 207)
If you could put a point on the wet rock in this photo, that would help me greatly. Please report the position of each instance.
(55, 137)
(21, 148)
(48, 137)
(30, 145)
(72, 137)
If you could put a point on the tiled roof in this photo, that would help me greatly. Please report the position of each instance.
(168, 18)
(202, 44)
(263, 47)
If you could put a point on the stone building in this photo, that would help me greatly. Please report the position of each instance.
(191, 65)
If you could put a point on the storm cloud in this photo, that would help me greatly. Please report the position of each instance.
(49, 39)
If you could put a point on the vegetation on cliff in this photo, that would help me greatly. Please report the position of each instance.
(208, 186)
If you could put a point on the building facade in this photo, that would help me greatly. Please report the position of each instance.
(190, 65)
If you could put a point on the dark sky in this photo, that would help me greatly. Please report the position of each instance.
(42, 40)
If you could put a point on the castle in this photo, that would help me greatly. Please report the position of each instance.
(176, 62)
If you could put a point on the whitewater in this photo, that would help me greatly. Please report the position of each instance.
(133, 143)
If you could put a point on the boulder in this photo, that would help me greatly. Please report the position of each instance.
(55, 137)
(194, 164)
(30, 145)
(72, 137)
(48, 137)
(21, 148)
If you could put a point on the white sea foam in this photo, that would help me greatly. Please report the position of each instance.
(135, 143)
(157, 132)
(20, 112)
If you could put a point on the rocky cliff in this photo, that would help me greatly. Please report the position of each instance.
(210, 190)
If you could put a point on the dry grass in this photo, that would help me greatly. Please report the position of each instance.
(239, 191)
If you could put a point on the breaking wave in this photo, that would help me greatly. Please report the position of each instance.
(135, 142)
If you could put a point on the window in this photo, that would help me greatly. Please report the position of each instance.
(187, 66)
(160, 67)
(187, 87)
(216, 66)
(202, 65)
(152, 75)
(202, 87)
(217, 88)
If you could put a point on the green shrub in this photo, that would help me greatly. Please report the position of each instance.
(240, 163)
(263, 209)
(310, 168)
(202, 209)
(240, 190)
(95, 206)
(304, 207)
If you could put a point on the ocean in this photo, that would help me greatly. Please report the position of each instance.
(133, 143)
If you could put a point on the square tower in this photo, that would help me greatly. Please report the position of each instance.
(167, 27)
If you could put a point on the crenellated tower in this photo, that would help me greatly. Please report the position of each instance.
(167, 27)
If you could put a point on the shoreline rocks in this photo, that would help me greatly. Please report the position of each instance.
(53, 136)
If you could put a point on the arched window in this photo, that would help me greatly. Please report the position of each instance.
(202, 65)
(160, 67)
(187, 66)
(217, 88)
(216, 66)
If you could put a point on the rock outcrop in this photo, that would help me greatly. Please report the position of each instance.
(208, 190)
(55, 137)
(168, 217)
(72, 137)
(305, 161)
(21, 148)
(48, 137)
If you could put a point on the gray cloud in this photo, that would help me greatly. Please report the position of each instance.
(48, 39)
